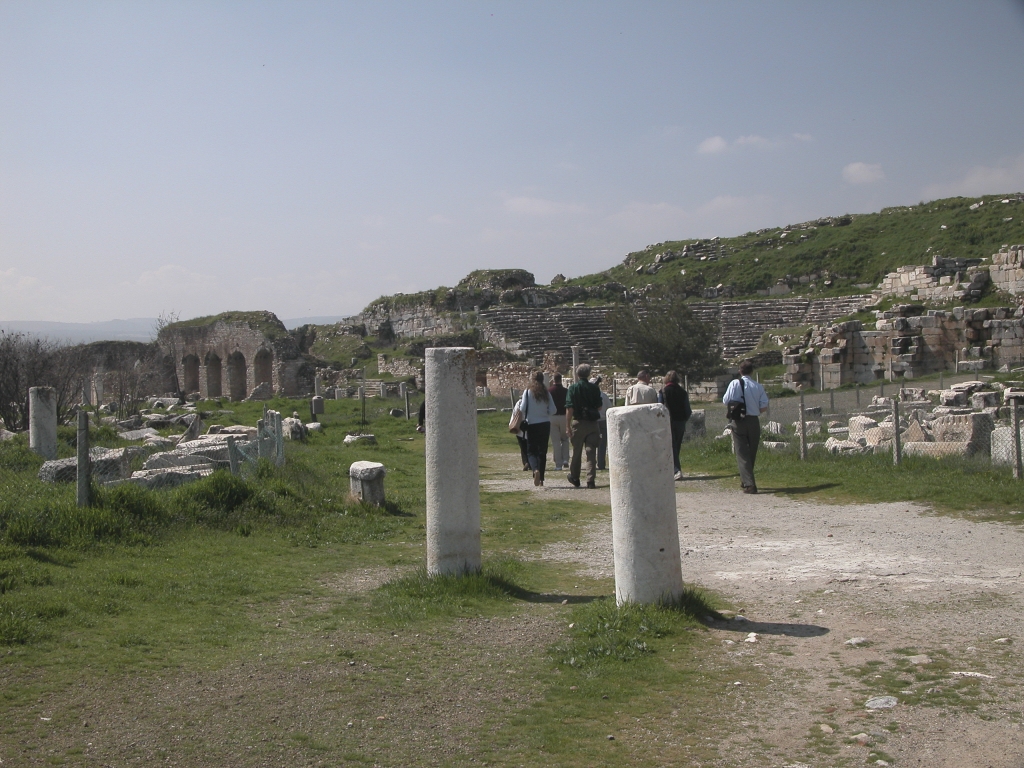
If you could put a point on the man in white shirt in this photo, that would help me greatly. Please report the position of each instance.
(642, 393)
(746, 431)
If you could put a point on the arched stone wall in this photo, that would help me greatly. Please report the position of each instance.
(263, 368)
(214, 375)
(238, 377)
(190, 364)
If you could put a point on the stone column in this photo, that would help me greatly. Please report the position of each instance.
(453, 483)
(575, 362)
(318, 385)
(42, 421)
(645, 531)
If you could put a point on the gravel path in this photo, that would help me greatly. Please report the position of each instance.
(936, 602)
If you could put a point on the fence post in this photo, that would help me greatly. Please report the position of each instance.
(261, 438)
(897, 446)
(1018, 470)
(233, 455)
(940, 380)
(857, 387)
(832, 400)
(83, 459)
(881, 388)
(803, 430)
(279, 437)
(406, 404)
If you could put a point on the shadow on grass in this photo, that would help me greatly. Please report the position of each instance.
(708, 477)
(771, 628)
(800, 488)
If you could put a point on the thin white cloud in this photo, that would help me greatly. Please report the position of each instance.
(713, 146)
(863, 173)
(536, 206)
(983, 180)
(719, 216)
(803, 137)
(753, 141)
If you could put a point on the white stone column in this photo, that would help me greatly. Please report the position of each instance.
(42, 421)
(645, 531)
(575, 362)
(453, 482)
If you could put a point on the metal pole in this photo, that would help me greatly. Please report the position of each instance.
(858, 394)
(407, 405)
(803, 430)
(897, 447)
(881, 388)
(362, 402)
(832, 400)
(1018, 470)
(83, 459)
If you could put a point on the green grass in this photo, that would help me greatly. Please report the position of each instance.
(950, 485)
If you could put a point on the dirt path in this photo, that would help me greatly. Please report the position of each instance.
(936, 602)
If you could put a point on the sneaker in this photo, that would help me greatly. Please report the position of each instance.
(590, 485)
(536, 477)
(678, 476)
(573, 482)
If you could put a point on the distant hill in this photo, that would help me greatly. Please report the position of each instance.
(134, 329)
(295, 322)
(851, 252)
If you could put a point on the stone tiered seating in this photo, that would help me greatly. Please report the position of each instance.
(531, 331)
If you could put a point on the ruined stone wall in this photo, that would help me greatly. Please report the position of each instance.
(231, 359)
(410, 322)
(1007, 270)
(400, 368)
(907, 342)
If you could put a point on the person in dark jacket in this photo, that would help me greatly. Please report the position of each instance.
(677, 400)
(582, 411)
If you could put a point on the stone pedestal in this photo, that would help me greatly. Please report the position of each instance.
(645, 532)
(453, 483)
(42, 421)
(366, 481)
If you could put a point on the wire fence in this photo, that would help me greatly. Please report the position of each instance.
(244, 455)
(961, 417)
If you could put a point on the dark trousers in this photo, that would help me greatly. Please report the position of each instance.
(537, 445)
(678, 430)
(523, 451)
(746, 437)
(602, 447)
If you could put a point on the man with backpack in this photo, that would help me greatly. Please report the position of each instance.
(583, 405)
(745, 400)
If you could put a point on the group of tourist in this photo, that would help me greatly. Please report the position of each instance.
(576, 416)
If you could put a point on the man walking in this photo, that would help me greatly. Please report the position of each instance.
(583, 405)
(642, 393)
(746, 429)
(559, 436)
(677, 400)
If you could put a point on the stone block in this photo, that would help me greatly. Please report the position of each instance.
(981, 400)
(1002, 446)
(366, 482)
(836, 446)
(937, 450)
(858, 425)
(880, 435)
(975, 429)
(697, 425)
(107, 465)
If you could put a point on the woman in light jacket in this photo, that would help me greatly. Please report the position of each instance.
(537, 407)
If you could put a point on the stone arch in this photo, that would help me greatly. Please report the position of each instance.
(214, 374)
(238, 377)
(190, 369)
(263, 367)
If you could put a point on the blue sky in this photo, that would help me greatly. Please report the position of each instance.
(307, 157)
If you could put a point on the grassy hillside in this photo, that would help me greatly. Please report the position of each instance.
(836, 256)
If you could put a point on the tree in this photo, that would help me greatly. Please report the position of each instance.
(28, 361)
(662, 334)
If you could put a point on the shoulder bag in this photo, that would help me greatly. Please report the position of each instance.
(737, 409)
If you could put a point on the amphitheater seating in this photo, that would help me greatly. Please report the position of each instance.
(531, 331)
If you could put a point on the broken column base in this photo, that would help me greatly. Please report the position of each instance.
(366, 482)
